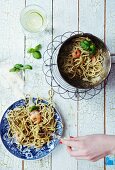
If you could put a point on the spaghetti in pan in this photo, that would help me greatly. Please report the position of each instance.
(84, 61)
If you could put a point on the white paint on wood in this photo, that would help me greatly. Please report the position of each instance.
(35, 83)
(41, 164)
(92, 17)
(110, 167)
(91, 112)
(110, 106)
(110, 102)
(110, 28)
(110, 88)
(65, 19)
(11, 50)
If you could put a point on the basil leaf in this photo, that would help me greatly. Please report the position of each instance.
(38, 47)
(87, 42)
(33, 108)
(88, 46)
(84, 45)
(31, 50)
(18, 66)
(37, 55)
(92, 49)
(14, 69)
(27, 67)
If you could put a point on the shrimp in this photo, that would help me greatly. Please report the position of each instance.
(35, 117)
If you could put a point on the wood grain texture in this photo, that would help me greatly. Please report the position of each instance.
(80, 118)
(110, 106)
(91, 112)
(11, 50)
(110, 167)
(110, 88)
(110, 28)
(35, 83)
(110, 20)
(65, 19)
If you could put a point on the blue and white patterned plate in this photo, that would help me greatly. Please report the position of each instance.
(24, 152)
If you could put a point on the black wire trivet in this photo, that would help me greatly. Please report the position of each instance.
(53, 77)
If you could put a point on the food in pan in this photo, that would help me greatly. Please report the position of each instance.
(84, 60)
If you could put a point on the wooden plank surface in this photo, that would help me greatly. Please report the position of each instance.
(110, 107)
(91, 112)
(110, 21)
(110, 88)
(80, 118)
(35, 83)
(63, 21)
(110, 95)
(11, 50)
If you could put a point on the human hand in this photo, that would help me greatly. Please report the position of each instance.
(91, 147)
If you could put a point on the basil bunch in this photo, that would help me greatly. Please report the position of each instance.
(32, 108)
(20, 67)
(36, 54)
(35, 51)
(88, 46)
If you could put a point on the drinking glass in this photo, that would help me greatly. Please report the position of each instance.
(33, 19)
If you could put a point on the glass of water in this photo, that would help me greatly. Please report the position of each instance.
(33, 19)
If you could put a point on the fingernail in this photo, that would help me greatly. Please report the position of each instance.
(71, 137)
(60, 142)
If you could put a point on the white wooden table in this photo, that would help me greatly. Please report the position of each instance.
(82, 117)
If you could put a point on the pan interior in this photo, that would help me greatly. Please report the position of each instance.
(77, 81)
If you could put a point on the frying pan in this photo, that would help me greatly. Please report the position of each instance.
(78, 82)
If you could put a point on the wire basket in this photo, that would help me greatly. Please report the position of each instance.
(55, 80)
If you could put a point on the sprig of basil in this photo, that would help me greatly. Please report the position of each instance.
(14, 70)
(37, 55)
(27, 67)
(36, 51)
(32, 108)
(38, 47)
(20, 67)
(88, 46)
(31, 50)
